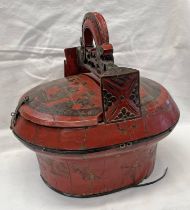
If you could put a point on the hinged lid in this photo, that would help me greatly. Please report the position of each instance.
(71, 101)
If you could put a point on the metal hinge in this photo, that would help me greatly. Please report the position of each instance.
(16, 112)
(124, 145)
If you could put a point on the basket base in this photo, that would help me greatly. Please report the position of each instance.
(99, 173)
(104, 193)
(87, 196)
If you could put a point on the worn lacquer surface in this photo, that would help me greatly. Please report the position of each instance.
(90, 174)
(159, 113)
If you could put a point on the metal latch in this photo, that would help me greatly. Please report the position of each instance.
(16, 112)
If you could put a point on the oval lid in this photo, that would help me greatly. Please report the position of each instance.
(73, 101)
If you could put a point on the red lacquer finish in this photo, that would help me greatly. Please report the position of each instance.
(96, 130)
(97, 173)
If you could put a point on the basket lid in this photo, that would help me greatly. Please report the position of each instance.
(94, 98)
(67, 102)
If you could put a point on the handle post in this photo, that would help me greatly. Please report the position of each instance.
(119, 85)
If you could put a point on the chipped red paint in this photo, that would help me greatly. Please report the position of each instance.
(96, 130)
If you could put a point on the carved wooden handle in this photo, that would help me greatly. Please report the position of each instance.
(90, 58)
(95, 58)
(94, 27)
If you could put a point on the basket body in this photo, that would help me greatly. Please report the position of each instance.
(93, 174)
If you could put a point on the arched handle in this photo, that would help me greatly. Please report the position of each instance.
(97, 58)
(94, 27)
(87, 57)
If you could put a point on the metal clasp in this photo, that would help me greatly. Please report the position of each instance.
(16, 112)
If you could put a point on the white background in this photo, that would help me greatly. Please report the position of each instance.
(150, 35)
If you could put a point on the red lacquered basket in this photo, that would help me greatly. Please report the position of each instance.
(96, 130)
